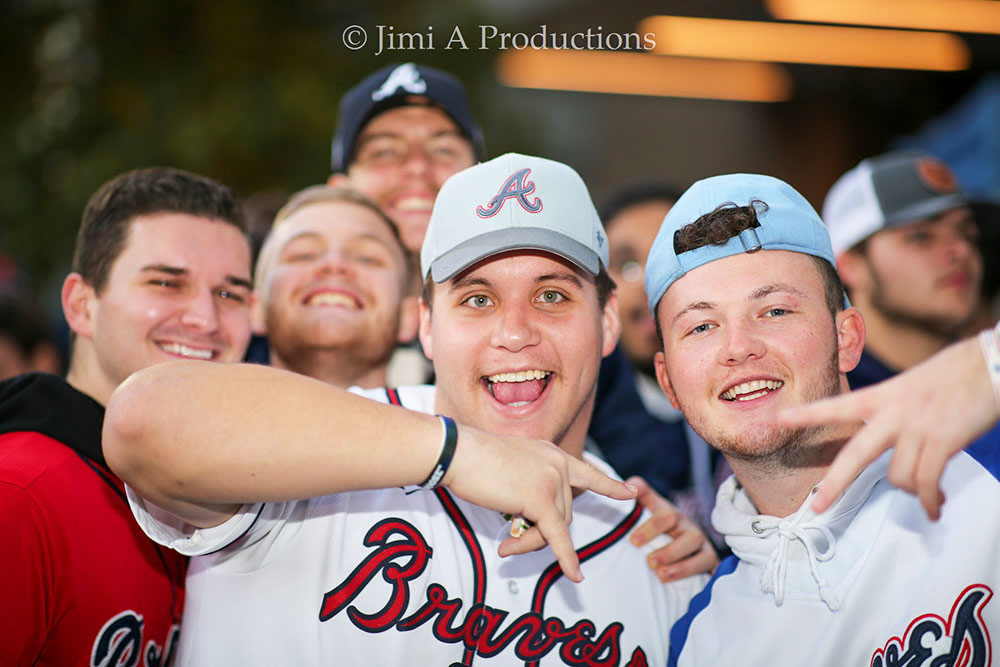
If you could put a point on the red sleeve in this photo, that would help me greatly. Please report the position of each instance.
(26, 581)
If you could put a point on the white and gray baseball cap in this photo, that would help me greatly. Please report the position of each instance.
(513, 202)
(888, 190)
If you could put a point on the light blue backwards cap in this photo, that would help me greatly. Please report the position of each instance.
(789, 223)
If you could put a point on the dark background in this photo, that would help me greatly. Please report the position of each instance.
(246, 92)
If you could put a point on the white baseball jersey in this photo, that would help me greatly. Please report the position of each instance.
(405, 576)
(872, 582)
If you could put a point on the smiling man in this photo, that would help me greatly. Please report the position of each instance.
(753, 321)
(335, 289)
(402, 132)
(161, 272)
(517, 313)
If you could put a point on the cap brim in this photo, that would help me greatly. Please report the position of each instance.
(926, 209)
(498, 241)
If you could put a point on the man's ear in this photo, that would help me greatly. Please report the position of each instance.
(426, 340)
(79, 301)
(409, 319)
(850, 338)
(611, 323)
(854, 270)
(660, 363)
(337, 180)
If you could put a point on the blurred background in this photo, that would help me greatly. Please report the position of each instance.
(675, 90)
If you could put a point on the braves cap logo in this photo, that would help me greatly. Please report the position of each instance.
(406, 77)
(518, 187)
(936, 176)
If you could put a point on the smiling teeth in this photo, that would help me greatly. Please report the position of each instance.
(519, 376)
(415, 204)
(751, 390)
(331, 299)
(185, 351)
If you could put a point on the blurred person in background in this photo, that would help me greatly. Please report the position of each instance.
(906, 244)
(26, 345)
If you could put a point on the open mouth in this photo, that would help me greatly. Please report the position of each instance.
(181, 350)
(335, 299)
(749, 391)
(517, 388)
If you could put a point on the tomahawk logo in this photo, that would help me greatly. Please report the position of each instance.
(406, 77)
(931, 641)
(518, 187)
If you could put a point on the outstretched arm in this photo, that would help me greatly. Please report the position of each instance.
(928, 413)
(201, 439)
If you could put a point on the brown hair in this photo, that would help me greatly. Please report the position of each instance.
(109, 213)
(727, 221)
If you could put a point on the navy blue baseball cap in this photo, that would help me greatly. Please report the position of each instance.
(789, 223)
(394, 86)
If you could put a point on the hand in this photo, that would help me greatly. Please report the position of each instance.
(915, 412)
(532, 478)
(690, 551)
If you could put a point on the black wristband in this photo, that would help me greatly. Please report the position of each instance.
(447, 453)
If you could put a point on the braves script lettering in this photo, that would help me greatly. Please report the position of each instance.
(401, 554)
(119, 643)
(930, 641)
(517, 187)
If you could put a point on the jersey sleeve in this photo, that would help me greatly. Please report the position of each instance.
(28, 585)
(250, 523)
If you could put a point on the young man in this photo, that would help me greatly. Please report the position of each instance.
(905, 240)
(741, 278)
(335, 289)
(517, 313)
(401, 133)
(681, 464)
(161, 271)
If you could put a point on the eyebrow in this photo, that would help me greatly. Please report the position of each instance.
(767, 290)
(392, 135)
(562, 276)
(367, 236)
(756, 295)
(179, 271)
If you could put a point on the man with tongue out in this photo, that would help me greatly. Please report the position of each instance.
(401, 133)
(753, 322)
(379, 562)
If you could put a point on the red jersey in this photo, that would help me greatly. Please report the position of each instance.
(81, 583)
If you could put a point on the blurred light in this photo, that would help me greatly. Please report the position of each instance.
(954, 15)
(644, 74)
(811, 44)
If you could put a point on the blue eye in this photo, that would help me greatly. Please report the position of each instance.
(701, 328)
(231, 296)
(777, 312)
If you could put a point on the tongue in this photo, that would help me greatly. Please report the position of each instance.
(518, 392)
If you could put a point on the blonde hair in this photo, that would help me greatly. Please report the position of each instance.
(321, 194)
